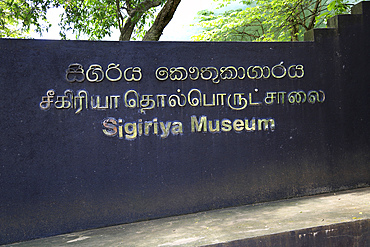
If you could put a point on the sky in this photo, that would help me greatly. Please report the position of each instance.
(179, 28)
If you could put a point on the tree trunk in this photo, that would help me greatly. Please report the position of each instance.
(126, 30)
(294, 33)
(135, 15)
(161, 21)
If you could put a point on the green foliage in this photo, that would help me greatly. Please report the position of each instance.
(98, 18)
(93, 18)
(17, 16)
(267, 20)
(338, 7)
(335, 7)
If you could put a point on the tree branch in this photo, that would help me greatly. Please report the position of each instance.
(314, 14)
(119, 15)
(161, 21)
(134, 15)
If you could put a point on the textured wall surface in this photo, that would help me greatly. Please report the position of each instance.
(84, 146)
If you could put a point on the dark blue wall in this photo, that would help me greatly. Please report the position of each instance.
(60, 173)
